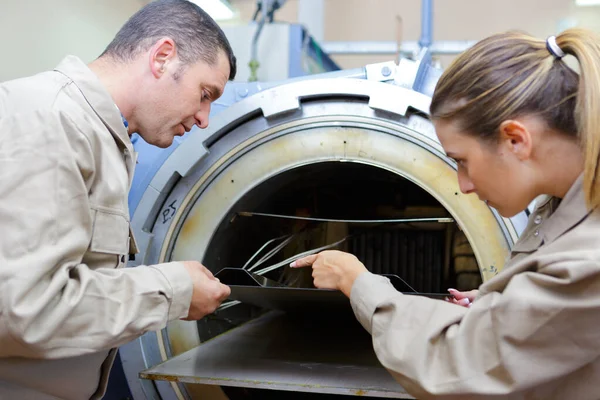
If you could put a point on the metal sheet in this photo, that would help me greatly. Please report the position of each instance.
(259, 291)
(283, 352)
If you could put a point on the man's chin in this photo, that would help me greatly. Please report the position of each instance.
(163, 144)
(162, 141)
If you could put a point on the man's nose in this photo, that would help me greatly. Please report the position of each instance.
(202, 117)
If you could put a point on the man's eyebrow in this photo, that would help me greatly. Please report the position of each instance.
(215, 91)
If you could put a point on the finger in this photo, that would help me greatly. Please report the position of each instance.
(226, 291)
(464, 302)
(472, 294)
(456, 294)
(305, 261)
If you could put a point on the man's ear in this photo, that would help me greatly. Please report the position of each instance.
(163, 53)
(515, 139)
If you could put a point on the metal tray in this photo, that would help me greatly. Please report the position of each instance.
(260, 291)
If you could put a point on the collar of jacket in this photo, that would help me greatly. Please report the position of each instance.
(97, 97)
(571, 210)
(553, 217)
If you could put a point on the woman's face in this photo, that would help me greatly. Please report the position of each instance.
(492, 170)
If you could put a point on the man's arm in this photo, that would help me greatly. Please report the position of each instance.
(51, 304)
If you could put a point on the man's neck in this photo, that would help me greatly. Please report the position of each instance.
(117, 81)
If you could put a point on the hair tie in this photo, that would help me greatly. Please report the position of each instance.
(553, 48)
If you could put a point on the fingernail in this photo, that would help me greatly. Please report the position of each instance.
(293, 264)
(464, 302)
(452, 290)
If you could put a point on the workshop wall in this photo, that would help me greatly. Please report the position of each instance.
(356, 20)
(38, 34)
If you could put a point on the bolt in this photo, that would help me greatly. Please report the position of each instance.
(386, 71)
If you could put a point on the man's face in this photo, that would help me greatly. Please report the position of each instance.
(179, 99)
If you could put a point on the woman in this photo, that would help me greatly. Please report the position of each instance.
(519, 124)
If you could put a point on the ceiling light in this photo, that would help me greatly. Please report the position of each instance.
(217, 9)
(587, 2)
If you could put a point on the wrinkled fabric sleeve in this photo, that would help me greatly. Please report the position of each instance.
(51, 304)
(540, 328)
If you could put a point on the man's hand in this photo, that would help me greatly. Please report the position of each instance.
(333, 269)
(208, 292)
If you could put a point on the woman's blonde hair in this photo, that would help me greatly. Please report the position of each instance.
(513, 74)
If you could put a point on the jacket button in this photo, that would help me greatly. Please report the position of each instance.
(537, 220)
(536, 233)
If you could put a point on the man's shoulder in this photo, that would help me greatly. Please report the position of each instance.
(37, 92)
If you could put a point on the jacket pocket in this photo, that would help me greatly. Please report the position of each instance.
(110, 232)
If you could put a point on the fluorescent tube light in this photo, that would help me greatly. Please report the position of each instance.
(218, 9)
(587, 2)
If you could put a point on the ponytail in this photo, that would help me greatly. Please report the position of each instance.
(584, 45)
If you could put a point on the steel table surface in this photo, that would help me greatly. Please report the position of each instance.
(283, 351)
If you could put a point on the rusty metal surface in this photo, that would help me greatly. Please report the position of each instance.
(284, 352)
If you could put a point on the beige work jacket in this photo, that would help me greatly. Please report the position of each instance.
(532, 333)
(66, 164)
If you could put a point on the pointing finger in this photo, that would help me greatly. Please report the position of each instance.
(305, 261)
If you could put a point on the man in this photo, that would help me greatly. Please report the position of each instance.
(66, 164)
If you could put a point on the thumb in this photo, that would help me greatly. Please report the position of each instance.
(305, 261)
(226, 291)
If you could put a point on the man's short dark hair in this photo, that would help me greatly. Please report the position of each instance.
(196, 35)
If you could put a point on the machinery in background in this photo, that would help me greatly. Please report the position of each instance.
(271, 51)
(282, 51)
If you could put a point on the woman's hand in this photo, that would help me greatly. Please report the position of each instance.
(333, 269)
(464, 299)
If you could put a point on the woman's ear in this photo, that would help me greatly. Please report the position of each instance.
(515, 138)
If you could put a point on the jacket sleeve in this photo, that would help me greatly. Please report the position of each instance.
(52, 305)
(542, 326)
